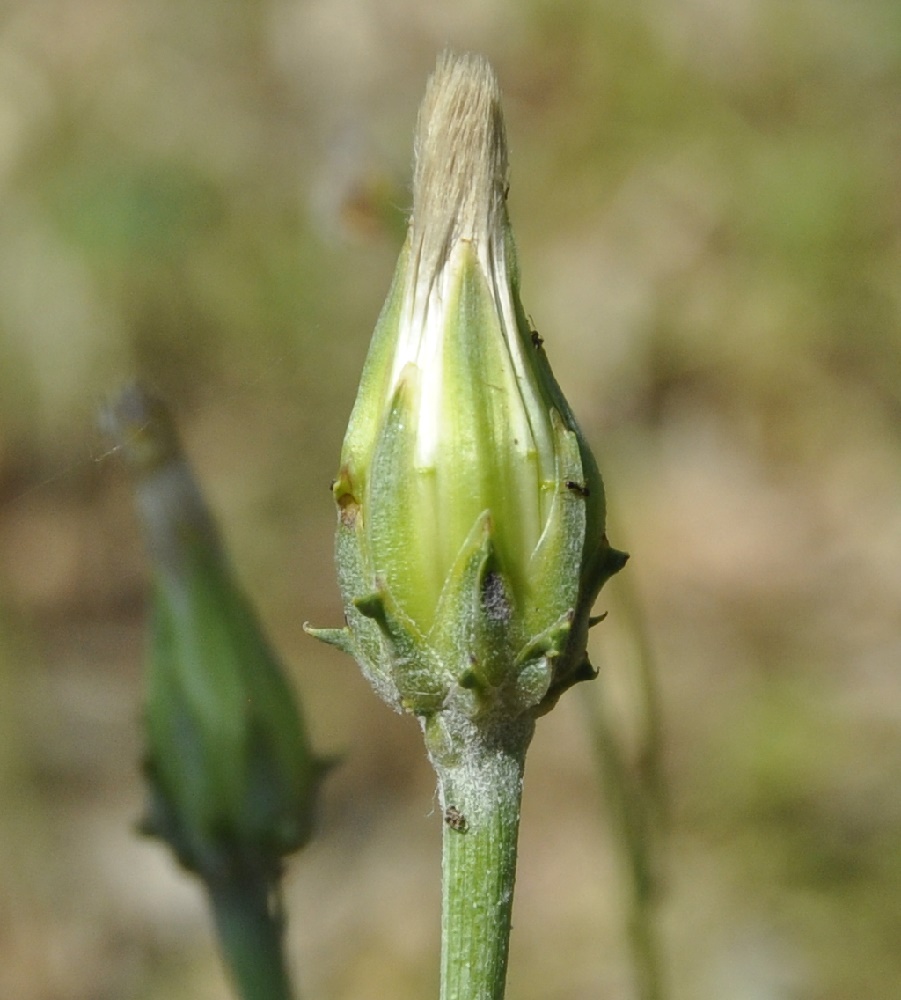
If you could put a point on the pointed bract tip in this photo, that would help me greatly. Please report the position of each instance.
(140, 426)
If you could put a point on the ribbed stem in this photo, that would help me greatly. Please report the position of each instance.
(480, 785)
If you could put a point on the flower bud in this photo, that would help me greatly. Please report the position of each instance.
(231, 774)
(470, 542)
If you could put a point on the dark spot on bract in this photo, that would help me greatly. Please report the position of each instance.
(494, 597)
(348, 508)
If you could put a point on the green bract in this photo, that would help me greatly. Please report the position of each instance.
(470, 543)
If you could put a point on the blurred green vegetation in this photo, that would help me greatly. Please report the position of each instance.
(707, 202)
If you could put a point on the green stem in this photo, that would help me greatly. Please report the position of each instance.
(480, 788)
(250, 936)
(631, 816)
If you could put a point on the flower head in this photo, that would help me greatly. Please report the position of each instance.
(471, 530)
(231, 774)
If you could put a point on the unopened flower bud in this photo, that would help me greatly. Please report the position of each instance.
(470, 542)
(232, 777)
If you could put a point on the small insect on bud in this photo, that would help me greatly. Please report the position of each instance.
(455, 819)
(467, 571)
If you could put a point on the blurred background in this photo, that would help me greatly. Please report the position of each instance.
(707, 202)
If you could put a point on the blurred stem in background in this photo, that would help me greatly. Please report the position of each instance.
(231, 776)
(247, 917)
(632, 785)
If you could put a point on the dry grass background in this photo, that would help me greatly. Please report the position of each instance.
(707, 202)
